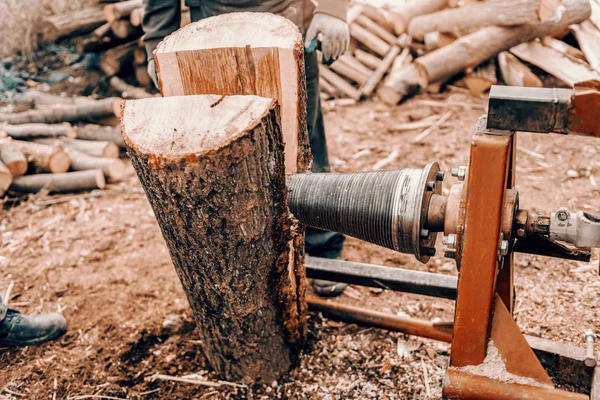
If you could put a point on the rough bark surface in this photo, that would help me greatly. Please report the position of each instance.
(60, 183)
(83, 21)
(218, 192)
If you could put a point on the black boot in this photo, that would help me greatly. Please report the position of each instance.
(17, 329)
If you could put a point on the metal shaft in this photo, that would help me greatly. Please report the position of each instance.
(590, 354)
(388, 208)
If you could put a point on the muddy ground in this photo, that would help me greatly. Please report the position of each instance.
(99, 259)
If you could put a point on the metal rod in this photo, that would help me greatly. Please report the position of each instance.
(396, 279)
(411, 326)
(590, 354)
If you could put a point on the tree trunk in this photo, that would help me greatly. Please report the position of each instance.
(78, 111)
(30, 131)
(471, 50)
(72, 23)
(490, 12)
(91, 147)
(44, 158)
(213, 170)
(515, 73)
(113, 60)
(6, 178)
(403, 13)
(101, 133)
(113, 12)
(60, 183)
(14, 159)
(113, 168)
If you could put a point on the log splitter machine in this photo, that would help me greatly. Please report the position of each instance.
(483, 225)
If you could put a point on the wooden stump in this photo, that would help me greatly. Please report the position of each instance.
(213, 170)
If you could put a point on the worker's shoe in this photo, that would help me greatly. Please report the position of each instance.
(328, 288)
(17, 329)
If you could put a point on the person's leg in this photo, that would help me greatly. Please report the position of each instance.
(319, 243)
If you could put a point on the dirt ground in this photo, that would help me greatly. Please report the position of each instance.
(99, 258)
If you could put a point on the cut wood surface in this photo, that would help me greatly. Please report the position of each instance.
(242, 53)
(368, 59)
(44, 158)
(369, 39)
(113, 12)
(29, 131)
(75, 22)
(60, 183)
(213, 170)
(128, 91)
(113, 168)
(101, 31)
(573, 53)
(515, 73)
(486, 13)
(91, 147)
(14, 159)
(6, 178)
(555, 63)
(402, 12)
(482, 78)
(115, 58)
(101, 133)
(78, 111)
(470, 50)
(588, 36)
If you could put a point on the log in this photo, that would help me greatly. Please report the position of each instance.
(113, 60)
(555, 63)
(101, 31)
(213, 169)
(242, 53)
(6, 178)
(403, 13)
(30, 131)
(354, 63)
(370, 40)
(100, 133)
(470, 50)
(113, 12)
(588, 36)
(377, 76)
(338, 82)
(45, 158)
(367, 59)
(482, 78)
(122, 28)
(142, 77)
(14, 159)
(378, 16)
(349, 72)
(139, 56)
(378, 30)
(136, 16)
(475, 15)
(72, 23)
(128, 91)
(91, 147)
(436, 40)
(560, 46)
(60, 183)
(113, 168)
(39, 98)
(515, 73)
(79, 111)
(327, 87)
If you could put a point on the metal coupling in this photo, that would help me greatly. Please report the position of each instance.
(590, 354)
(460, 173)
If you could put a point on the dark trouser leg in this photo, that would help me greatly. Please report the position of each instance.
(318, 243)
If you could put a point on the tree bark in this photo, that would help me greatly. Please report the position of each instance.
(113, 168)
(113, 12)
(213, 170)
(490, 12)
(43, 157)
(72, 23)
(515, 73)
(6, 178)
(14, 159)
(113, 60)
(30, 131)
(402, 14)
(60, 183)
(91, 147)
(78, 111)
(471, 50)
(101, 133)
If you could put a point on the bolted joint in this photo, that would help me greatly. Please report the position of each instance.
(503, 248)
(460, 173)
(450, 241)
(563, 214)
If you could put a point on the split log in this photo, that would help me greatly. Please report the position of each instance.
(471, 50)
(60, 183)
(91, 147)
(113, 168)
(378, 30)
(45, 158)
(349, 72)
(128, 91)
(30, 131)
(515, 73)
(79, 111)
(101, 31)
(482, 78)
(370, 40)
(14, 159)
(136, 16)
(368, 59)
(588, 36)
(113, 12)
(6, 178)
(377, 76)
(122, 28)
(100, 133)
(113, 60)
(242, 53)
(475, 15)
(402, 14)
(573, 53)
(555, 63)
(378, 16)
(72, 23)
(213, 169)
(339, 83)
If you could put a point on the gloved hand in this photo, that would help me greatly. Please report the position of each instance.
(152, 72)
(335, 36)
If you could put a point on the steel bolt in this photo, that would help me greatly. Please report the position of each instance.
(439, 176)
(430, 186)
(503, 248)
(562, 214)
(521, 232)
(450, 241)
(460, 172)
(428, 251)
(450, 254)
(590, 355)
(424, 233)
